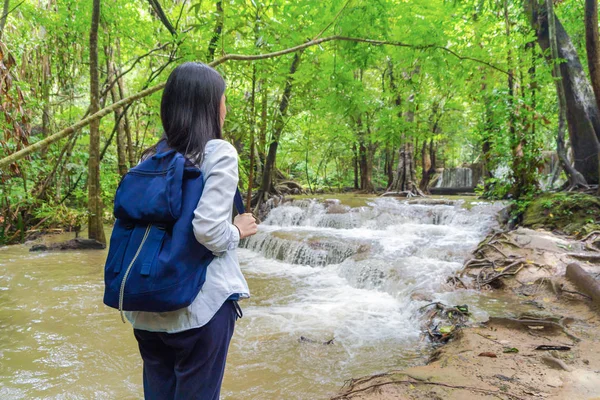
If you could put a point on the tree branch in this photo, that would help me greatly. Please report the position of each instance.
(230, 57)
(125, 72)
(334, 20)
(162, 16)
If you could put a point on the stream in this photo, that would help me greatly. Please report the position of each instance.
(320, 270)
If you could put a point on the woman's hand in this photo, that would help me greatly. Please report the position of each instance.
(246, 223)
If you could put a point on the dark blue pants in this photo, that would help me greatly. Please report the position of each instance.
(188, 364)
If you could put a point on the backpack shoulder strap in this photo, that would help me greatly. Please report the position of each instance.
(163, 149)
(239, 202)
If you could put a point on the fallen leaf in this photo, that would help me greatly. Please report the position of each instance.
(488, 354)
(446, 329)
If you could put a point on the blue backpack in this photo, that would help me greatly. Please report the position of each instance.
(155, 263)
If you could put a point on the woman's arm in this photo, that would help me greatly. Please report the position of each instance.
(212, 224)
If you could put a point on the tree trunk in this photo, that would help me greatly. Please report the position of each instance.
(266, 186)
(405, 176)
(582, 115)
(389, 166)
(131, 153)
(592, 45)
(95, 227)
(120, 127)
(428, 165)
(212, 46)
(366, 168)
(3, 17)
(252, 138)
(365, 158)
(355, 163)
(575, 178)
(45, 98)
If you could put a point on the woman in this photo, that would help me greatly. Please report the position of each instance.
(184, 351)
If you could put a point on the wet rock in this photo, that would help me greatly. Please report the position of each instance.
(304, 339)
(421, 296)
(73, 244)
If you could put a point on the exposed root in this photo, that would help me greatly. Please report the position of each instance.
(527, 323)
(589, 235)
(585, 256)
(556, 363)
(407, 194)
(496, 393)
(495, 248)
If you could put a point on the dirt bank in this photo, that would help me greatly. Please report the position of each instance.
(502, 358)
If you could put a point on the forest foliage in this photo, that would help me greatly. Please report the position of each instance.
(404, 87)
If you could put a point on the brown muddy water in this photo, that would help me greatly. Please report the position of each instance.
(322, 273)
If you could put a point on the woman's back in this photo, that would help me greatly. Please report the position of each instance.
(224, 277)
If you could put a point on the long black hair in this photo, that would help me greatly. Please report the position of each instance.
(190, 109)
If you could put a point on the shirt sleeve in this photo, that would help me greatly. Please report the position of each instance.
(212, 217)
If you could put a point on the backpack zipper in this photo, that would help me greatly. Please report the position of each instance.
(122, 291)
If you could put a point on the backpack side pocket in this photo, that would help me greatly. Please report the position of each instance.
(118, 244)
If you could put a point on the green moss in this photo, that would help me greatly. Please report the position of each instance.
(573, 213)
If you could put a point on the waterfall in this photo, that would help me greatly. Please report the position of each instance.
(456, 178)
(389, 245)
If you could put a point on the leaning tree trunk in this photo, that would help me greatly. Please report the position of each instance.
(592, 44)
(266, 186)
(582, 114)
(575, 177)
(95, 227)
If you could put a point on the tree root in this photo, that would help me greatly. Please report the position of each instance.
(493, 247)
(556, 363)
(498, 393)
(585, 256)
(589, 235)
(528, 322)
(408, 194)
(484, 279)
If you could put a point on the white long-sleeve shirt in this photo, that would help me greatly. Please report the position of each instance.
(213, 228)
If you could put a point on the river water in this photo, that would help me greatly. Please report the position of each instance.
(318, 270)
